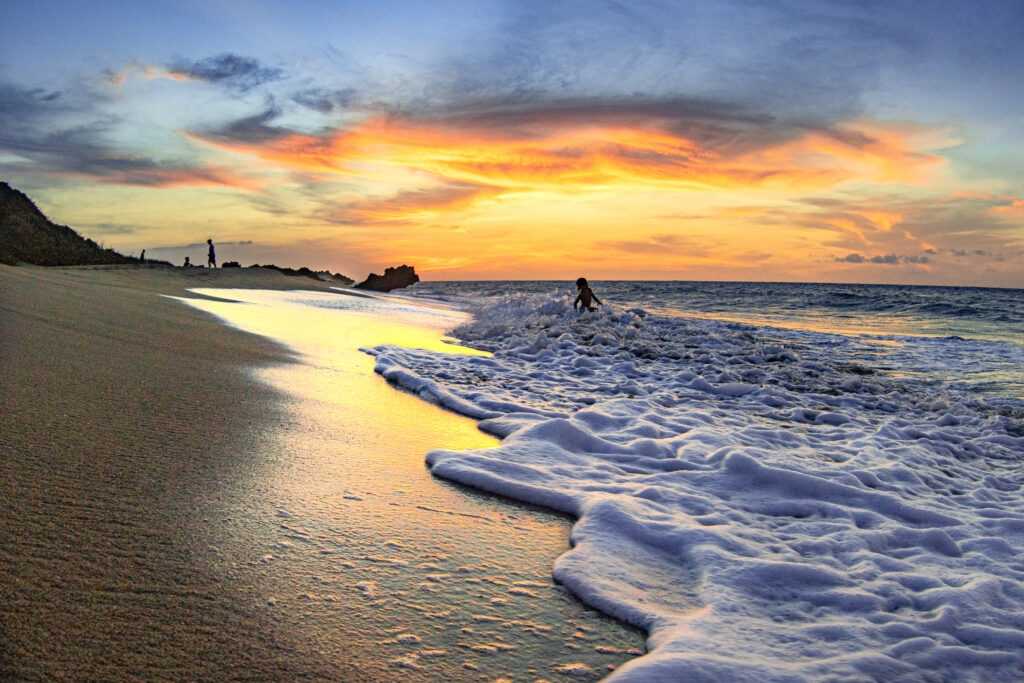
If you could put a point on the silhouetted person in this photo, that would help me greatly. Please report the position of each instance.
(211, 258)
(142, 256)
(586, 298)
(188, 262)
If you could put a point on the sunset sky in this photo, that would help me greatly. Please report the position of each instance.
(738, 140)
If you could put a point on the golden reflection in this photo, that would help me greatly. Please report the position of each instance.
(326, 323)
(827, 323)
(340, 394)
(351, 531)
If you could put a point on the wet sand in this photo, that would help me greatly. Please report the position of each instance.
(170, 515)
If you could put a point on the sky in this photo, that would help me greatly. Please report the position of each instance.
(729, 140)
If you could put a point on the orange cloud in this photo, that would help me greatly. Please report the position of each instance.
(147, 71)
(409, 204)
(567, 157)
(1002, 205)
(1013, 208)
(865, 151)
(208, 176)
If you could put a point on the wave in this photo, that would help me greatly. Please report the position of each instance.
(948, 309)
(890, 309)
(765, 510)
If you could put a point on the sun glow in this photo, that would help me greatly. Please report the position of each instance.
(571, 189)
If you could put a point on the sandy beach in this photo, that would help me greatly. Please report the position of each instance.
(118, 409)
(150, 478)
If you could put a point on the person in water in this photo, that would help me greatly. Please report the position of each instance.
(211, 259)
(586, 297)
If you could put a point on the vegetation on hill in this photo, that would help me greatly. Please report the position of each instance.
(324, 275)
(28, 236)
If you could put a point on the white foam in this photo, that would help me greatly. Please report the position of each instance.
(763, 505)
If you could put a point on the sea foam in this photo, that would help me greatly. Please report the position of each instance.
(766, 506)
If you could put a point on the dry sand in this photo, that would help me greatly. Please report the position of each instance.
(116, 409)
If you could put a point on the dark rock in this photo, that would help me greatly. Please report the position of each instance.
(231, 264)
(393, 278)
(306, 272)
(336, 277)
(27, 236)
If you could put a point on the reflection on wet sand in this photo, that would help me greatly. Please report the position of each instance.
(349, 542)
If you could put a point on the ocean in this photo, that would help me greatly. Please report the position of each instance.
(975, 336)
(775, 482)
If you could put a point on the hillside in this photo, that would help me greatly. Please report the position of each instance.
(28, 236)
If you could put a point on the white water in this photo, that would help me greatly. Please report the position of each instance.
(343, 541)
(765, 506)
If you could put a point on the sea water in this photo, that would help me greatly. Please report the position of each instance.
(980, 328)
(775, 482)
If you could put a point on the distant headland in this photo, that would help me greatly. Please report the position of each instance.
(27, 236)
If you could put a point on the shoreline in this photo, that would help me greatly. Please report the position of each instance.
(522, 595)
(138, 509)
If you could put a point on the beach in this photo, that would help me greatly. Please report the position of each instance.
(651, 342)
(118, 408)
(245, 475)
(172, 514)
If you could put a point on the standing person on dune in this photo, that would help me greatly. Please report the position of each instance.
(211, 258)
(585, 297)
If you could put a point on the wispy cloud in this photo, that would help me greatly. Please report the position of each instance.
(326, 100)
(32, 127)
(255, 129)
(407, 205)
(230, 70)
(794, 59)
(660, 244)
(935, 233)
(883, 259)
(198, 245)
(146, 173)
(149, 72)
(110, 228)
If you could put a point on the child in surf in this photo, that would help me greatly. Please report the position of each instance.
(586, 297)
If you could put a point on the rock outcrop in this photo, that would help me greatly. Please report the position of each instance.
(323, 275)
(393, 278)
(337, 277)
(27, 236)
